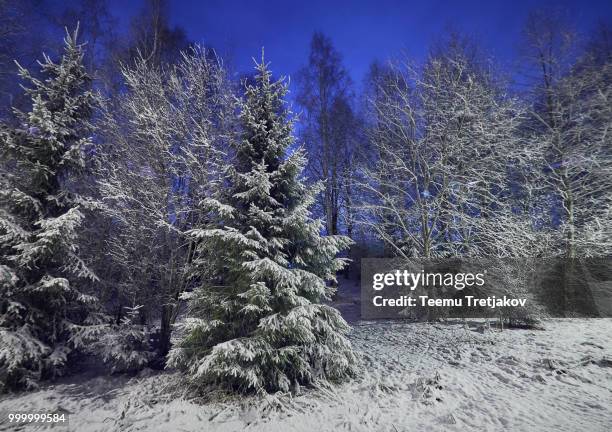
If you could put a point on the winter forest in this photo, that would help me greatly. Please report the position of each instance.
(180, 239)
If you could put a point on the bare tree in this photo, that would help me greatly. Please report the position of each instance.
(572, 118)
(98, 28)
(149, 37)
(163, 149)
(22, 38)
(445, 141)
(324, 94)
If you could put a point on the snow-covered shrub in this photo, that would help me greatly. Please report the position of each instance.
(256, 322)
(125, 347)
(516, 278)
(42, 309)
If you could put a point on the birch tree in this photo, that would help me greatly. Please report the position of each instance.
(445, 141)
(163, 145)
(324, 94)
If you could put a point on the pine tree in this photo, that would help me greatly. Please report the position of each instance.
(256, 322)
(43, 314)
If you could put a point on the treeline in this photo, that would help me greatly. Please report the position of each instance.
(191, 192)
(137, 176)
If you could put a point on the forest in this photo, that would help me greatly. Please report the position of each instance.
(162, 211)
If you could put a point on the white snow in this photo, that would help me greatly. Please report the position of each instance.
(425, 377)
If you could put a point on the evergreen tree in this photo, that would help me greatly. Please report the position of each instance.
(43, 314)
(256, 322)
(124, 347)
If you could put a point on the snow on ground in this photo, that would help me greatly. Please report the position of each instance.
(423, 377)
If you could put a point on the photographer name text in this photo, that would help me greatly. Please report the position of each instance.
(469, 301)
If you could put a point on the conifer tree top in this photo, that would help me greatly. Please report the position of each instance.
(266, 120)
(50, 139)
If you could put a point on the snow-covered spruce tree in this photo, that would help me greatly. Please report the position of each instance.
(125, 347)
(43, 314)
(256, 322)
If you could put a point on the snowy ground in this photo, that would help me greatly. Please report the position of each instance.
(423, 377)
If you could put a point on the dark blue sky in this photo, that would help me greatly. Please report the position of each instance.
(361, 30)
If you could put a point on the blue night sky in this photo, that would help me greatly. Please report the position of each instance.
(361, 30)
